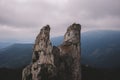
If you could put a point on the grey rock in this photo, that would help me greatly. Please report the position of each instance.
(55, 63)
(26, 74)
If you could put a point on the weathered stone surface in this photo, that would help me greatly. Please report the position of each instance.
(26, 74)
(70, 53)
(55, 63)
(43, 59)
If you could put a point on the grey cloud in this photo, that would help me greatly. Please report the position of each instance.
(96, 8)
(30, 15)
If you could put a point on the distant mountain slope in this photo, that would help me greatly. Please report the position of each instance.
(57, 40)
(16, 55)
(100, 49)
(4, 44)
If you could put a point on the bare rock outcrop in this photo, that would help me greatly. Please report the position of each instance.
(55, 63)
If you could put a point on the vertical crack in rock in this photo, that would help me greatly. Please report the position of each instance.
(55, 63)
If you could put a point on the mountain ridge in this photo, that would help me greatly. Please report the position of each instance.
(86, 43)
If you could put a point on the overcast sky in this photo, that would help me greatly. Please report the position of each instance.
(21, 20)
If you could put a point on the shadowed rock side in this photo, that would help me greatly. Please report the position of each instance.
(55, 63)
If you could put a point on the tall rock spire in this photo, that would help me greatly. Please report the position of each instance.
(42, 53)
(70, 51)
(55, 63)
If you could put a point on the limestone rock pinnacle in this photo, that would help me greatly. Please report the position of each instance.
(70, 51)
(55, 63)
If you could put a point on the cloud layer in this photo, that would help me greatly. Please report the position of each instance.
(21, 20)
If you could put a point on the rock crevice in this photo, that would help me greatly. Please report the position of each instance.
(55, 63)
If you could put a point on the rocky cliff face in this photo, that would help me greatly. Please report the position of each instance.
(55, 63)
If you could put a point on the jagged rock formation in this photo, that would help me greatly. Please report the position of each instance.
(55, 63)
